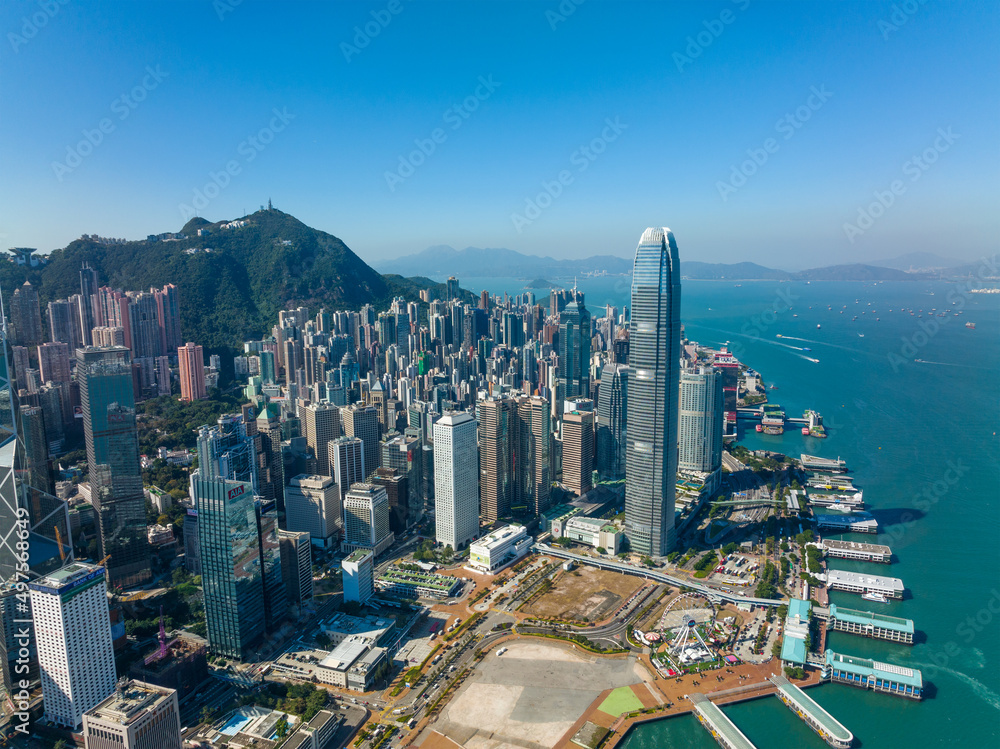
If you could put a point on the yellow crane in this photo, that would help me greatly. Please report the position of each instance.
(59, 541)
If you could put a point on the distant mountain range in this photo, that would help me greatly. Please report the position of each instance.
(441, 260)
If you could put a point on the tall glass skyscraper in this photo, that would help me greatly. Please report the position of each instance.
(654, 356)
(574, 350)
(108, 403)
(612, 420)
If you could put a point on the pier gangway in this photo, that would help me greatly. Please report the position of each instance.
(817, 718)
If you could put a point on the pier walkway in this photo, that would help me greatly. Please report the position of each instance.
(818, 719)
(723, 730)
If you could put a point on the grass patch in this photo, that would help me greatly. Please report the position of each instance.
(621, 700)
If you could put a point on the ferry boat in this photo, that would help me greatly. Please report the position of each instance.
(877, 597)
(970, 325)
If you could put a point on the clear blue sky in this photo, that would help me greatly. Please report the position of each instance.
(888, 91)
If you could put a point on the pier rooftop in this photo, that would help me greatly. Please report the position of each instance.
(803, 703)
(870, 618)
(845, 579)
(855, 549)
(862, 522)
(724, 730)
(870, 671)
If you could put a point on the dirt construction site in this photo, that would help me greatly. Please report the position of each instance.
(529, 697)
(585, 594)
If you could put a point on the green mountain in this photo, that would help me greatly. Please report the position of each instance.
(232, 281)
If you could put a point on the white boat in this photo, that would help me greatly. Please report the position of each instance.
(877, 597)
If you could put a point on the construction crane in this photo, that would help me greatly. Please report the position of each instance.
(101, 563)
(62, 552)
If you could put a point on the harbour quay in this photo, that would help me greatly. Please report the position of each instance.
(874, 675)
(870, 624)
(856, 522)
(855, 582)
(855, 550)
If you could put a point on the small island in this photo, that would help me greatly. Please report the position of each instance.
(541, 283)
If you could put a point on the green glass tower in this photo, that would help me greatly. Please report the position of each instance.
(108, 402)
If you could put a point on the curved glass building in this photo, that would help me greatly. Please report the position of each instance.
(654, 359)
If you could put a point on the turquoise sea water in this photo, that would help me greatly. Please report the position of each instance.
(920, 438)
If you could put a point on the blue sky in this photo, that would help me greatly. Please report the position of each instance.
(694, 91)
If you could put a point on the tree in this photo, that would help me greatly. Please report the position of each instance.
(60, 744)
(281, 727)
(601, 550)
(207, 714)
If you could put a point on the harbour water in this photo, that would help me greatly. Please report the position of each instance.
(913, 410)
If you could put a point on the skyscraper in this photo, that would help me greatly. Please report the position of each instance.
(64, 322)
(534, 455)
(270, 464)
(497, 450)
(231, 570)
(312, 505)
(654, 355)
(25, 316)
(359, 575)
(89, 284)
(578, 451)
(191, 361)
(403, 453)
(136, 716)
(612, 420)
(362, 422)
(108, 402)
(320, 426)
(699, 431)
(347, 461)
(366, 519)
(296, 565)
(456, 480)
(574, 350)
(53, 362)
(168, 314)
(73, 632)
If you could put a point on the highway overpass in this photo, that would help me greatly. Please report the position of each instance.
(653, 574)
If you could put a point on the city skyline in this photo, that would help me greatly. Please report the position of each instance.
(785, 142)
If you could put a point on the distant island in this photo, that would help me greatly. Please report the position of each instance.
(541, 283)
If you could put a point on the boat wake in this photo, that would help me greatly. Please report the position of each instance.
(939, 363)
(808, 358)
(979, 689)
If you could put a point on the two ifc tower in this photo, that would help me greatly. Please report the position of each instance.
(654, 359)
